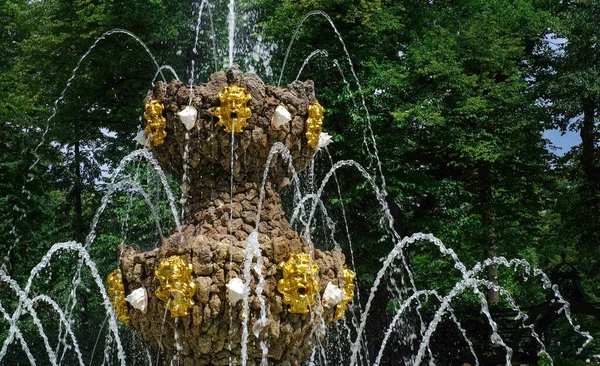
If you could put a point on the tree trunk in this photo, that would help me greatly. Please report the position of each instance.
(487, 220)
(85, 314)
(77, 186)
(77, 221)
(590, 189)
(587, 141)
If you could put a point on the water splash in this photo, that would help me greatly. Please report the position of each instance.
(375, 155)
(19, 336)
(162, 330)
(165, 67)
(253, 250)
(185, 180)
(98, 339)
(231, 174)
(301, 203)
(25, 301)
(204, 4)
(21, 214)
(112, 187)
(46, 299)
(314, 53)
(178, 346)
(231, 29)
(278, 148)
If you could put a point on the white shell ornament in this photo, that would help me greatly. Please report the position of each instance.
(332, 296)
(141, 138)
(236, 290)
(188, 117)
(138, 299)
(324, 140)
(280, 117)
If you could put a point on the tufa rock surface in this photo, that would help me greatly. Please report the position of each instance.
(209, 146)
(218, 221)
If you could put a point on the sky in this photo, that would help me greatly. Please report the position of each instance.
(562, 142)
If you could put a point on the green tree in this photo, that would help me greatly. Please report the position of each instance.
(455, 116)
(571, 80)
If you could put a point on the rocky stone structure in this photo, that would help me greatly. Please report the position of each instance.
(218, 220)
(209, 146)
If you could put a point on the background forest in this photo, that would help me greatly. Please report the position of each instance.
(460, 95)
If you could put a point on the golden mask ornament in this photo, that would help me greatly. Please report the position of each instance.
(116, 295)
(348, 277)
(155, 122)
(314, 123)
(300, 283)
(177, 288)
(233, 111)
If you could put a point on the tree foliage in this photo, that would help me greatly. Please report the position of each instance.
(456, 97)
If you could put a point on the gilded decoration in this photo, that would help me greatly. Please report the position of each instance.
(155, 122)
(348, 277)
(314, 123)
(233, 111)
(116, 295)
(300, 283)
(176, 285)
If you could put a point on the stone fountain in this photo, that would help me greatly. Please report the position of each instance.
(186, 298)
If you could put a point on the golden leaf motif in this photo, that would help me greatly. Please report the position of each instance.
(314, 123)
(348, 277)
(177, 288)
(300, 283)
(155, 122)
(116, 295)
(233, 111)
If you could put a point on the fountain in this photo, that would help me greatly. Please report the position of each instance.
(233, 224)
(235, 283)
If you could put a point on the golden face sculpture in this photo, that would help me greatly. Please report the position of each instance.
(155, 122)
(300, 283)
(348, 277)
(233, 111)
(116, 295)
(314, 123)
(177, 288)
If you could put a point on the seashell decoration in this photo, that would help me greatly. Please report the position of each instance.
(324, 140)
(332, 296)
(280, 117)
(141, 138)
(235, 289)
(188, 117)
(138, 299)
